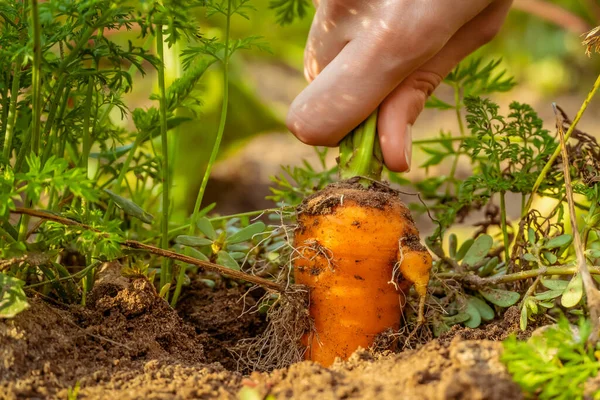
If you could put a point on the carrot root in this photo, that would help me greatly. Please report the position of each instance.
(358, 253)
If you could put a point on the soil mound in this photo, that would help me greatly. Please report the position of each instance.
(129, 344)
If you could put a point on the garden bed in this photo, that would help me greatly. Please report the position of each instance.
(128, 343)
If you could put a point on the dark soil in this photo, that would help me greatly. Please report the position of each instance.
(129, 344)
(378, 195)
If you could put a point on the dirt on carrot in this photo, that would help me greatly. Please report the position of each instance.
(128, 344)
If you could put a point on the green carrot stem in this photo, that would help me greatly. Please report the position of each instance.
(360, 153)
(36, 77)
(215, 149)
(87, 140)
(165, 272)
(12, 108)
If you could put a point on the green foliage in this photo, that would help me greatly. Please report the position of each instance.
(296, 183)
(509, 152)
(227, 246)
(554, 364)
(91, 167)
(288, 10)
(12, 296)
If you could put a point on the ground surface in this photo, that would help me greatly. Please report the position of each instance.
(128, 344)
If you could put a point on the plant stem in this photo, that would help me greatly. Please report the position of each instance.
(441, 140)
(85, 151)
(360, 153)
(503, 226)
(478, 281)
(165, 273)
(221, 129)
(267, 284)
(550, 162)
(215, 149)
(461, 127)
(54, 133)
(12, 108)
(36, 78)
(49, 124)
(138, 141)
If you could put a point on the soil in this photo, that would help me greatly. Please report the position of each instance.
(378, 195)
(127, 343)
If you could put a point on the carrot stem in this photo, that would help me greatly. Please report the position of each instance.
(360, 153)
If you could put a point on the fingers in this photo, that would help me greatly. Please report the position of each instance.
(346, 91)
(386, 44)
(401, 108)
(326, 40)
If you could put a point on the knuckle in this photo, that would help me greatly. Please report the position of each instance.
(303, 131)
(425, 81)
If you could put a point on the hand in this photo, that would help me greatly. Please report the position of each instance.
(362, 54)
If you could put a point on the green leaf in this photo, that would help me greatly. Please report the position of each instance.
(224, 259)
(192, 241)
(12, 296)
(206, 228)
(452, 245)
(524, 318)
(531, 236)
(558, 241)
(555, 284)
(130, 207)
(474, 317)
(479, 250)
(550, 294)
(573, 293)
(436, 102)
(546, 304)
(529, 257)
(206, 210)
(237, 255)
(456, 319)
(502, 298)
(489, 267)
(486, 312)
(192, 252)
(238, 247)
(464, 248)
(532, 305)
(246, 233)
(550, 257)
(593, 253)
(164, 291)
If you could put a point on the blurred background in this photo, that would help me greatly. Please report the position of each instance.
(540, 45)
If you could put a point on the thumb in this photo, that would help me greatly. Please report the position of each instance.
(401, 108)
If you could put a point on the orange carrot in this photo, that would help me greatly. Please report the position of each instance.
(358, 253)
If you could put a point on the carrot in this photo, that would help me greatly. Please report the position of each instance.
(358, 253)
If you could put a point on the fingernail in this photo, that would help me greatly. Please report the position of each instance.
(408, 145)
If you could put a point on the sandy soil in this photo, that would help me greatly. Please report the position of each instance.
(127, 343)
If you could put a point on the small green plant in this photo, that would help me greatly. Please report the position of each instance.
(64, 148)
(556, 363)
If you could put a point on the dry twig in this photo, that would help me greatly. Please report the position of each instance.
(267, 284)
(591, 292)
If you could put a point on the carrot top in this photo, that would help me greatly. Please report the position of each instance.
(360, 153)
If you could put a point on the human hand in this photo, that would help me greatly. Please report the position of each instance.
(389, 53)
